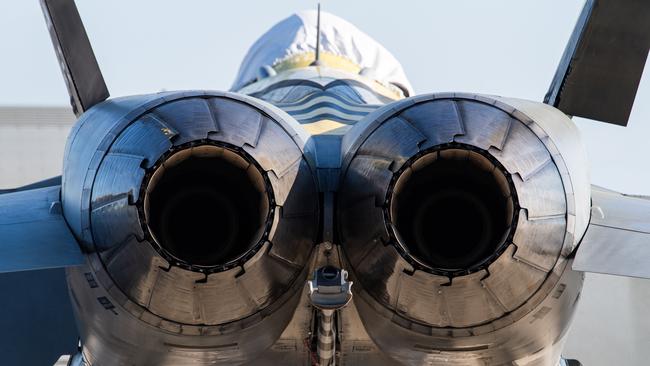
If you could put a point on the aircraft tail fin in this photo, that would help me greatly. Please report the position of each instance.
(79, 66)
(600, 70)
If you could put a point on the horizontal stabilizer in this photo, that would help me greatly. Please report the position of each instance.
(600, 70)
(33, 233)
(618, 237)
(79, 66)
(54, 181)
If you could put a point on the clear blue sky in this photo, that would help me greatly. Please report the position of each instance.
(504, 47)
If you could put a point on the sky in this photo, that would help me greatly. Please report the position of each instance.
(503, 47)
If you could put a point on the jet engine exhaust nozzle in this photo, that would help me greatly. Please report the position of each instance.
(452, 209)
(455, 212)
(198, 217)
(207, 205)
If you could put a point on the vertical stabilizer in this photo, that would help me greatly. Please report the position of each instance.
(79, 66)
(601, 68)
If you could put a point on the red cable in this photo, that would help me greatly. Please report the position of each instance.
(314, 361)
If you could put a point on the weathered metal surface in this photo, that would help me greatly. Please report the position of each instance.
(562, 139)
(455, 318)
(153, 296)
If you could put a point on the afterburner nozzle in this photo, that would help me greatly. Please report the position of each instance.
(452, 208)
(207, 205)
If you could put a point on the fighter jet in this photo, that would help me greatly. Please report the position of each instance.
(322, 213)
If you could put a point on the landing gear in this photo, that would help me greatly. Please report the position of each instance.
(329, 291)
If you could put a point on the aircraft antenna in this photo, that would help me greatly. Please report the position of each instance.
(317, 59)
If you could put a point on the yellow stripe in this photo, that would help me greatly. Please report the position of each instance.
(326, 127)
(327, 59)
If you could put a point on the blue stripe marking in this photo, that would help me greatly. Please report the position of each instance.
(317, 94)
(329, 116)
(329, 105)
